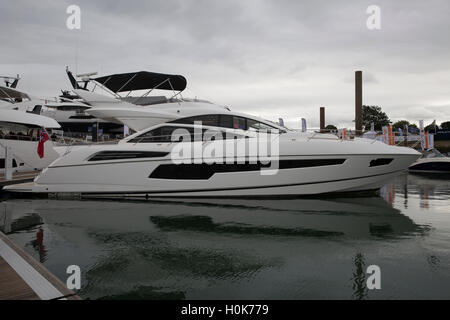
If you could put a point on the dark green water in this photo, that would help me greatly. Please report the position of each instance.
(246, 249)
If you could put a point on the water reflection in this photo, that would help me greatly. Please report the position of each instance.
(431, 186)
(38, 245)
(342, 217)
(218, 248)
(360, 290)
(146, 293)
(206, 224)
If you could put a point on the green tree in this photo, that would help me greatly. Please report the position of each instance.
(401, 124)
(330, 127)
(431, 127)
(445, 125)
(376, 115)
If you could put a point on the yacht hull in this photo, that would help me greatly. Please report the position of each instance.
(132, 178)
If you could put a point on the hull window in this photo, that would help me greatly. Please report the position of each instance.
(120, 155)
(380, 162)
(2, 163)
(205, 171)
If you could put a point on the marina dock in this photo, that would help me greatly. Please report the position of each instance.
(18, 177)
(23, 278)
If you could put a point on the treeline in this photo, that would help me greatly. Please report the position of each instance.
(374, 114)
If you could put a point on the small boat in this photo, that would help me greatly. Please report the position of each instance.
(434, 162)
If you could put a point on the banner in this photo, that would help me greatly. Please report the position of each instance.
(343, 135)
(391, 136)
(388, 135)
(303, 125)
(385, 134)
(422, 135)
(429, 141)
(43, 137)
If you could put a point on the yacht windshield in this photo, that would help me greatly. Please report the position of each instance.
(169, 134)
(229, 121)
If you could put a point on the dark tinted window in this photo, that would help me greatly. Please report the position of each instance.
(380, 162)
(208, 120)
(226, 121)
(258, 126)
(162, 134)
(165, 134)
(205, 171)
(239, 123)
(2, 163)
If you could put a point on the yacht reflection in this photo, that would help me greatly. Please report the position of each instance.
(364, 217)
(16, 216)
(205, 224)
(19, 216)
(343, 217)
(428, 187)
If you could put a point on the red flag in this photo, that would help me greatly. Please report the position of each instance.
(42, 138)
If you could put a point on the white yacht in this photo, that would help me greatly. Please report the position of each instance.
(19, 131)
(72, 116)
(68, 110)
(173, 157)
(433, 162)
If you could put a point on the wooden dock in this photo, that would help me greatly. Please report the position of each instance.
(23, 278)
(18, 177)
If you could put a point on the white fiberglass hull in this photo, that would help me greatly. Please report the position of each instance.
(25, 154)
(134, 177)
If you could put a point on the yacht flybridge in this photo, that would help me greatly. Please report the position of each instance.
(189, 148)
(136, 112)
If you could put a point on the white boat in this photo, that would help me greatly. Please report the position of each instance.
(173, 157)
(74, 119)
(434, 162)
(19, 131)
(68, 110)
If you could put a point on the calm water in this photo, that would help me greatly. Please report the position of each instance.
(246, 249)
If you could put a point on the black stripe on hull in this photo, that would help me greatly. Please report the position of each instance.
(203, 171)
(162, 192)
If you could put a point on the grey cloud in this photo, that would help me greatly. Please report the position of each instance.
(276, 58)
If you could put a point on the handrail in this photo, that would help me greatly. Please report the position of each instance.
(18, 137)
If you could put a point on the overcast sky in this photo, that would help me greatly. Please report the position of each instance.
(264, 57)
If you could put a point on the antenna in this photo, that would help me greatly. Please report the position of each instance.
(8, 80)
